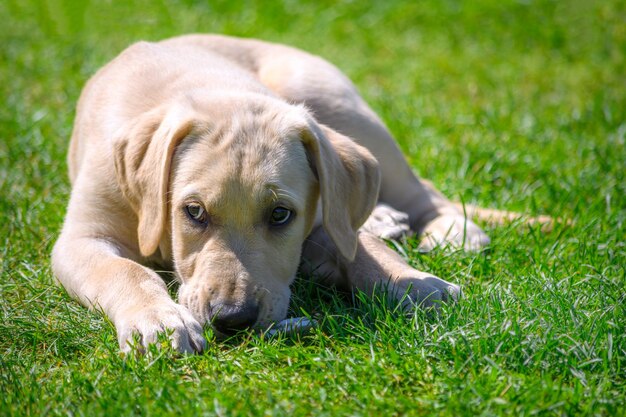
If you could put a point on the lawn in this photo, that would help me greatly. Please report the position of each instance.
(518, 105)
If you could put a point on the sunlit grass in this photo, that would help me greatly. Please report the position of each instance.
(509, 104)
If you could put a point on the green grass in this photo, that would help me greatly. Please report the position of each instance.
(517, 105)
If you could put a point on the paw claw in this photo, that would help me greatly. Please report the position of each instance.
(418, 289)
(137, 329)
(387, 223)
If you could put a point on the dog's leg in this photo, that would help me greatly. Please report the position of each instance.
(334, 101)
(375, 267)
(97, 273)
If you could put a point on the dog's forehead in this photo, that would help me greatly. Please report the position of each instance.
(244, 166)
(280, 162)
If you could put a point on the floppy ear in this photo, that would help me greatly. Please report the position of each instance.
(143, 155)
(349, 180)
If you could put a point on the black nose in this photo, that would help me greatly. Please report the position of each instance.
(231, 318)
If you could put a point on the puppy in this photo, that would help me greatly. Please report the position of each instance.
(227, 161)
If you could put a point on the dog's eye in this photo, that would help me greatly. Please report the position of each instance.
(196, 212)
(280, 216)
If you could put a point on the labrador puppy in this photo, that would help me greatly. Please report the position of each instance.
(228, 161)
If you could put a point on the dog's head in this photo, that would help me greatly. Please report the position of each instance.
(232, 185)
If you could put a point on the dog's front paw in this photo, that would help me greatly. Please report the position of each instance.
(419, 289)
(387, 223)
(453, 231)
(146, 323)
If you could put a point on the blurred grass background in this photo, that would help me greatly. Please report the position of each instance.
(517, 105)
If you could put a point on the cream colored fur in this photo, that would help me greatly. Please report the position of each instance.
(236, 129)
